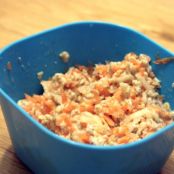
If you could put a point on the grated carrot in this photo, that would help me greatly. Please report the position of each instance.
(85, 138)
(69, 107)
(112, 103)
(64, 97)
(109, 121)
(123, 140)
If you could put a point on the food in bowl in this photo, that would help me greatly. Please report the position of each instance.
(108, 104)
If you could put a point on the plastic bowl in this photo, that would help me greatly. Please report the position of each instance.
(87, 42)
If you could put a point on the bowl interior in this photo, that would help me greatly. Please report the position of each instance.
(88, 43)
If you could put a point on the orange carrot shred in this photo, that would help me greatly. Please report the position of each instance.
(64, 97)
(123, 140)
(85, 138)
(109, 121)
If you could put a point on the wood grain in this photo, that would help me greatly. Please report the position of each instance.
(22, 18)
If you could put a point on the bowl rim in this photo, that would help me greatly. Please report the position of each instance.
(67, 141)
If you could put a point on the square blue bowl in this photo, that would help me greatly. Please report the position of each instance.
(88, 43)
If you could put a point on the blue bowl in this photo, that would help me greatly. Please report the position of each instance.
(87, 42)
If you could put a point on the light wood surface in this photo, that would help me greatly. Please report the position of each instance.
(154, 18)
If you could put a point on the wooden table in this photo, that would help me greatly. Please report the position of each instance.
(22, 18)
